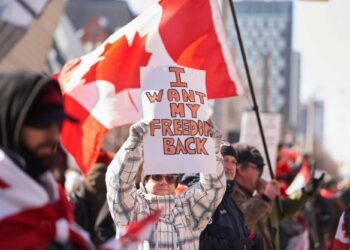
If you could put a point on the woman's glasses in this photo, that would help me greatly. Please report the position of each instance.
(170, 179)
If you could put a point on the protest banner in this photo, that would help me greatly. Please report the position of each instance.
(175, 105)
(250, 134)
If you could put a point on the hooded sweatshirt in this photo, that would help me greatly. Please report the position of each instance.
(34, 213)
(18, 91)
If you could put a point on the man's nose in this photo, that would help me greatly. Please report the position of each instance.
(229, 166)
(54, 132)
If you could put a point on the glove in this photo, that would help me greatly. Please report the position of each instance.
(136, 132)
(216, 134)
(311, 187)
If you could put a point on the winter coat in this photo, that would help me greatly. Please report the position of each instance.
(183, 217)
(262, 215)
(228, 226)
(227, 229)
(89, 202)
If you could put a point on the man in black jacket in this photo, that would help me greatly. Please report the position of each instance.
(228, 229)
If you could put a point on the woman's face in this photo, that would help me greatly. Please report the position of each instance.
(161, 184)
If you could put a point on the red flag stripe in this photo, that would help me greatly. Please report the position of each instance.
(189, 47)
(82, 139)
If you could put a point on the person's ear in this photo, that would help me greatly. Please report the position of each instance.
(239, 170)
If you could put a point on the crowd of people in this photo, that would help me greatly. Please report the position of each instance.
(231, 208)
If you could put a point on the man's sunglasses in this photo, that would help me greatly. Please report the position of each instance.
(170, 179)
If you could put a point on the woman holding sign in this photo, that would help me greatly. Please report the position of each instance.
(183, 217)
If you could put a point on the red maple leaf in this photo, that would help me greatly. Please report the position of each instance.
(120, 63)
(67, 71)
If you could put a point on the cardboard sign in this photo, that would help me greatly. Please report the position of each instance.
(175, 105)
(250, 134)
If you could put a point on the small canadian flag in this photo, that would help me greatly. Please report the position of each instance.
(301, 179)
(102, 88)
(135, 234)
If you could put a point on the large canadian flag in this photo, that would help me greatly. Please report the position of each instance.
(102, 88)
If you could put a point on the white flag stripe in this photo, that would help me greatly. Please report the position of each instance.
(23, 192)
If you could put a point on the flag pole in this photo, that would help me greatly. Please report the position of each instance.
(251, 88)
(255, 105)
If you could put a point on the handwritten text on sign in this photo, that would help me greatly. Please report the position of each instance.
(175, 102)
